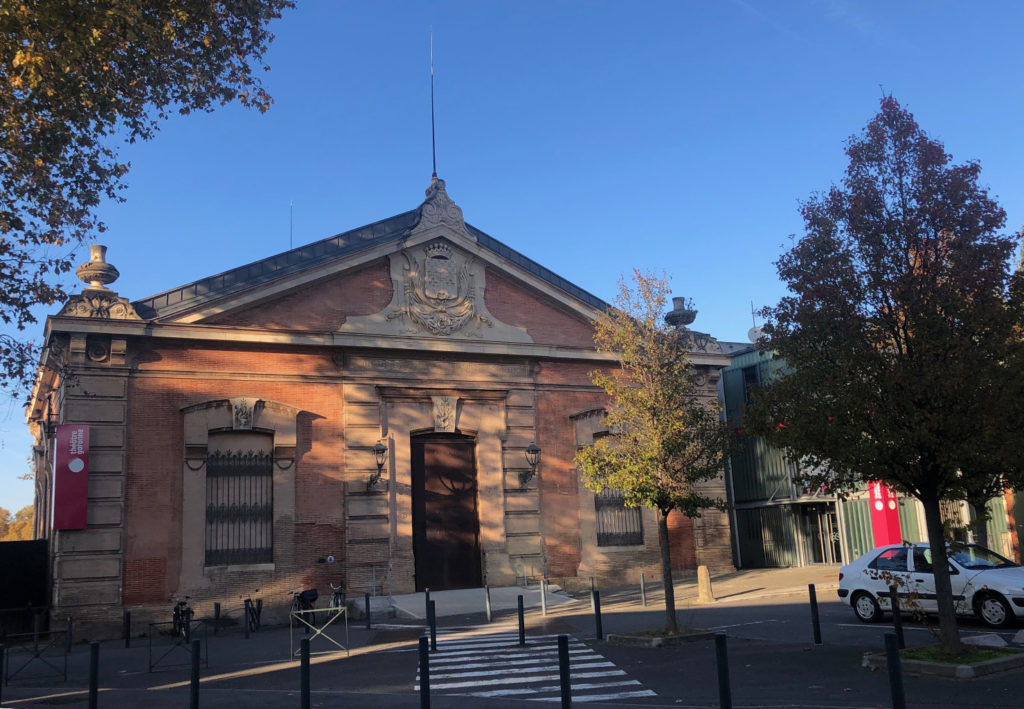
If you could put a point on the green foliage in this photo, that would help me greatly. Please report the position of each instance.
(903, 362)
(667, 438)
(76, 76)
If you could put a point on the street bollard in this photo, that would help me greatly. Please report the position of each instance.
(544, 597)
(245, 618)
(304, 674)
(643, 591)
(591, 594)
(563, 671)
(3, 675)
(424, 674)
(426, 599)
(432, 620)
(69, 636)
(722, 658)
(897, 617)
(522, 623)
(127, 629)
(892, 661)
(216, 616)
(487, 601)
(193, 688)
(597, 615)
(37, 626)
(366, 598)
(815, 620)
(94, 674)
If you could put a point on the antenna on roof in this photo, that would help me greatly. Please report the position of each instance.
(433, 144)
(291, 222)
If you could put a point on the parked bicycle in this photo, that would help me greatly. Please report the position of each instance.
(305, 601)
(181, 619)
(252, 611)
(337, 595)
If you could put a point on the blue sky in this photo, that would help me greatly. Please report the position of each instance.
(593, 136)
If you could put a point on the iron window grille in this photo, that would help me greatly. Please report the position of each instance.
(617, 525)
(239, 508)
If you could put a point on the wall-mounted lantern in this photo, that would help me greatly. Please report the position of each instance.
(380, 454)
(533, 460)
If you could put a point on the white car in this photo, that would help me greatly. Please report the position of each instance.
(985, 584)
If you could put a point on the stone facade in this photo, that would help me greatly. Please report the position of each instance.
(416, 326)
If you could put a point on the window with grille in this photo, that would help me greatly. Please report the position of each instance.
(239, 508)
(617, 525)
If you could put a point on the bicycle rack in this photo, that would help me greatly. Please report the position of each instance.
(176, 645)
(35, 646)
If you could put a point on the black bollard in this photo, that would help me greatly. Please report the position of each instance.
(544, 597)
(247, 607)
(591, 594)
(366, 598)
(304, 674)
(432, 620)
(69, 636)
(424, 673)
(892, 661)
(426, 599)
(563, 670)
(722, 657)
(3, 675)
(127, 629)
(815, 620)
(643, 591)
(37, 626)
(597, 615)
(897, 617)
(216, 616)
(522, 623)
(487, 602)
(94, 674)
(193, 692)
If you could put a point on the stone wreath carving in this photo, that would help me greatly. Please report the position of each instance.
(441, 297)
(99, 305)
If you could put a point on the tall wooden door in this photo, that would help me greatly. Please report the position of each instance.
(445, 524)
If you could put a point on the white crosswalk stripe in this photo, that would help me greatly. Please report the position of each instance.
(495, 665)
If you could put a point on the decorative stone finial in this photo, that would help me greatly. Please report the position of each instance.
(96, 272)
(438, 207)
(682, 314)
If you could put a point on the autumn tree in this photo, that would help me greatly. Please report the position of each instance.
(898, 333)
(77, 77)
(667, 438)
(18, 526)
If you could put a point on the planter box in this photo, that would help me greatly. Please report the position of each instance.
(658, 640)
(877, 661)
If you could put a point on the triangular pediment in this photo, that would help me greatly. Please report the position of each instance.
(421, 274)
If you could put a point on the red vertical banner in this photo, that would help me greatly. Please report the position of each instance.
(885, 515)
(71, 477)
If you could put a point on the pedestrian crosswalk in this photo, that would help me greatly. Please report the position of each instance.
(495, 665)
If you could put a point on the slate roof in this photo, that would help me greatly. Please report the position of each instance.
(270, 269)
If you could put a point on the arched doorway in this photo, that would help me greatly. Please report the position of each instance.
(445, 521)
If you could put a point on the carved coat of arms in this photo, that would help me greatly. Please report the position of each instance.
(440, 295)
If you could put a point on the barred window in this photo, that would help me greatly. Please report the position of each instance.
(239, 508)
(617, 525)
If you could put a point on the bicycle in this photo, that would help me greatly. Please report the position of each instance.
(338, 595)
(305, 601)
(181, 619)
(252, 611)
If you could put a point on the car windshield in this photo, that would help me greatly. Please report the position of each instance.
(972, 556)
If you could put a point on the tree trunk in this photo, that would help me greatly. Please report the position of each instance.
(949, 634)
(671, 624)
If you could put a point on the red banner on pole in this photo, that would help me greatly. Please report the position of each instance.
(885, 515)
(71, 477)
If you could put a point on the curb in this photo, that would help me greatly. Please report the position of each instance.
(877, 661)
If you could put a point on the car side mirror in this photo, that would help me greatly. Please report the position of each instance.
(953, 571)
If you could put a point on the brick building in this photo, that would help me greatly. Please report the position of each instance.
(232, 427)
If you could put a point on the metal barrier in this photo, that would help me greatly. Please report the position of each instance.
(47, 648)
(166, 647)
(306, 620)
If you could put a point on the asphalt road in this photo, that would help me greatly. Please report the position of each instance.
(772, 660)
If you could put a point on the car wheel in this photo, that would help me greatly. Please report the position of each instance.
(994, 611)
(866, 607)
